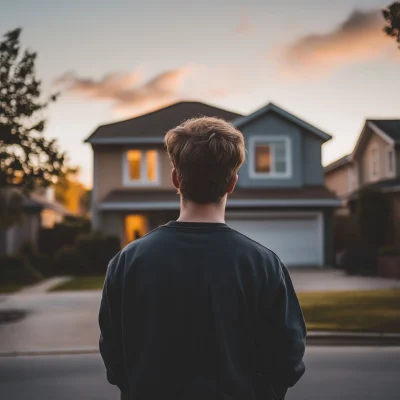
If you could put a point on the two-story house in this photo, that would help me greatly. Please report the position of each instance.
(374, 163)
(280, 200)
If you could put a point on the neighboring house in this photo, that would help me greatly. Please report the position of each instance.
(375, 162)
(39, 210)
(280, 199)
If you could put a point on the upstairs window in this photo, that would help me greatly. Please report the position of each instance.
(270, 157)
(391, 161)
(141, 167)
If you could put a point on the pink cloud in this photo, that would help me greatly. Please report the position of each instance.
(359, 38)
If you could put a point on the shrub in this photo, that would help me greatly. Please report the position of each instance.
(67, 261)
(373, 216)
(62, 234)
(346, 232)
(96, 251)
(14, 270)
(89, 256)
(359, 260)
(389, 251)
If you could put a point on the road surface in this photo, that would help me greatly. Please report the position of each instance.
(333, 373)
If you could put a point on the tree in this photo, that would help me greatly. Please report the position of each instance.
(70, 192)
(373, 212)
(27, 159)
(392, 17)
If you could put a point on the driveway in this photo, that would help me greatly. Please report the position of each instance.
(327, 279)
(68, 320)
(54, 321)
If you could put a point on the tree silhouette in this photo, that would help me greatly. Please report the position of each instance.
(27, 159)
(392, 17)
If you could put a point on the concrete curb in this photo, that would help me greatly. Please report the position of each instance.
(313, 339)
(352, 339)
(51, 352)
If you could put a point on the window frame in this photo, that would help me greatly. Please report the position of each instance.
(391, 152)
(266, 140)
(143, 181)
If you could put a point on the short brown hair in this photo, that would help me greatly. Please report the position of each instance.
(206, 154)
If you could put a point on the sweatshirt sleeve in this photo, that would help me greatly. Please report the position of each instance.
(288, 336)
(110, 323)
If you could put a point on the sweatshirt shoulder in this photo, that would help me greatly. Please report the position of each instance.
(252, 244)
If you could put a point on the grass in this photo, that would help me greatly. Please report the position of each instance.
(359, 311)
(94, 282)
(366, 311)
(9, 287)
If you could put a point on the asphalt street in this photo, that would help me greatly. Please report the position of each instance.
(333, 373)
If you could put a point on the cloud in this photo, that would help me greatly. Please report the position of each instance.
(244, 26)
(357, 39)
(160, 91)
(132, 95)
(107, 87)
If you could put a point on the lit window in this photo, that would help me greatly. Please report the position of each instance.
(151, 163)
(142, 166)
(135, 227)
(134, 160)
(271, 158)
(263, 158)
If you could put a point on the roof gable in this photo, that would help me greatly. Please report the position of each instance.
(341, 162)
(390, 127)
(241, 121)
(153, 126)
(370, 128)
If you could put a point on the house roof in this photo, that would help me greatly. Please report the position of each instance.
(154, 125)
(46, 204)
(241, 121)
(341, 162)
(313, 196)
(391, 127)
(387, 129)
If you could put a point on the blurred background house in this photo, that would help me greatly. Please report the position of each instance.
(280, 199)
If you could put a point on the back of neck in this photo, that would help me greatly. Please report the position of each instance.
(211, 213)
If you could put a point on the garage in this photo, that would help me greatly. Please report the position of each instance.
(296, 238)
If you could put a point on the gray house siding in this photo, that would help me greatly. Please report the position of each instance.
(312, 166)
(305, 154)
(272, 125)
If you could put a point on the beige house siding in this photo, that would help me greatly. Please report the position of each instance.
(382, 149)
(338, 181)
(112, 223)
(109, 171)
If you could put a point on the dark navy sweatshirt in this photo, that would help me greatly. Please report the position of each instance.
(198, 311)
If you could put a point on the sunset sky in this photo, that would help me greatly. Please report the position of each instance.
(326, 61)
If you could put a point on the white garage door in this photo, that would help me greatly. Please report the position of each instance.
(298, 240)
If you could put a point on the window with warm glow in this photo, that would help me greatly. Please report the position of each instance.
(270, 158)
(263, 158)
(135, 227)
(142, 166)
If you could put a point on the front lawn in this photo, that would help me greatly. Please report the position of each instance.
(9, 287)
(94, 282)
(366, 311)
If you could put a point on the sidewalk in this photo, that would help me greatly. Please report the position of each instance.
(45, 286)
(329, 279)
(67, 321)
